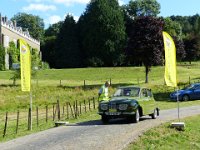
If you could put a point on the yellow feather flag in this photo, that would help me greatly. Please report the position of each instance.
(170, 60)
(25, 65)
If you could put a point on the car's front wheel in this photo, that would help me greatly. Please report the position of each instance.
(186, 98)
(136, 117)
(104, 119)
(154, 115)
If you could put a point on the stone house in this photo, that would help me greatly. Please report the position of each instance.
(9, 31)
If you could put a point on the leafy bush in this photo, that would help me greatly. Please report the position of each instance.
(2, 58)
(45, 65)
(95, 62)
(14, 54)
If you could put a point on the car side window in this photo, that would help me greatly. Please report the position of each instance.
(149, 93)
(127, 92)
(144, 93)
(197, 87)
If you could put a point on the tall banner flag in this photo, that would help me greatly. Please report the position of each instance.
(170, 60)
(25, 65)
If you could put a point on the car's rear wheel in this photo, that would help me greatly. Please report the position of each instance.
(104, 119)
(186, 98)
(154, 115)
(136, 117)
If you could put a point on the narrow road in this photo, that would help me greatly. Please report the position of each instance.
(93, 135)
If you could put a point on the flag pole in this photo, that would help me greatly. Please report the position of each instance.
(30, 110)
(178, 104)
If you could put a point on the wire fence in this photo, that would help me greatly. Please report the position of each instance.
(20, 121)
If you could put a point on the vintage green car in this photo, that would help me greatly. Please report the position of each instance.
(129, 102)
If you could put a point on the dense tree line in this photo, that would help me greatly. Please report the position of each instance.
(107, 34)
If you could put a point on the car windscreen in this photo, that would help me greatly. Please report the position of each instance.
(133, 92)
(192, 86)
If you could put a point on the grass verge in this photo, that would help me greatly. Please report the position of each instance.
(165, 138)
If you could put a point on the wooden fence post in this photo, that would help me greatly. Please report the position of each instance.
(5, 127)
(84, 84)
(110, 82)
(37, 117)
(77, 111)
(58, 107)
(53, 112)
(71, 110)
(89, 103)
(29, 119)
(17, 123)
(85, 106)
(67, 110)
(80, 108)
(47, 113)
(93, 103)
(63, 113)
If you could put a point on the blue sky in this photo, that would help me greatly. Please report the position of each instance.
(52, 11)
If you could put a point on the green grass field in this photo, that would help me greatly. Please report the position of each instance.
(67, 85)
(166, 138)
(46, 87)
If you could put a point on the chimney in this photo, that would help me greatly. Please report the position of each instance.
(5, 19)
(15, 23)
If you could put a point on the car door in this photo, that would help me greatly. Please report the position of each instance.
(197, 92)
(145, 101)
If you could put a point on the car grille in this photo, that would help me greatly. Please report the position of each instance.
(113, 106)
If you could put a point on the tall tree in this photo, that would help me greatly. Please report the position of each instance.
(145, 43)
(143, 8)
(175, 30)
(48, 46)
(49, 51)
(172, 27)
(34, 24)
(102, 33)
(180, 49)
(67, 53)
(192, 47)
(53, 29)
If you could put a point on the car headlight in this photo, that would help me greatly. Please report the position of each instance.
(123, 106)
(177, 94)
(104, 106)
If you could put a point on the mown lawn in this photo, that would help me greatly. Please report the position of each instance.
(166, 138)
(68, 84)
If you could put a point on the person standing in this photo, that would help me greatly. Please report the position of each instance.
(103, 92)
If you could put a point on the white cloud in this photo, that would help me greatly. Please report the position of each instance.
(71, 2)
(75, 17)
(121, 2)
(39, 7)
(54, 19)
(38, 1)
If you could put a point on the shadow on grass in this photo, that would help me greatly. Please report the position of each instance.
(89, 87)
(162, 96)
(9, 85)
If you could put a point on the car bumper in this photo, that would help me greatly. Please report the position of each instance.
(174, 98)
(116, 113)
